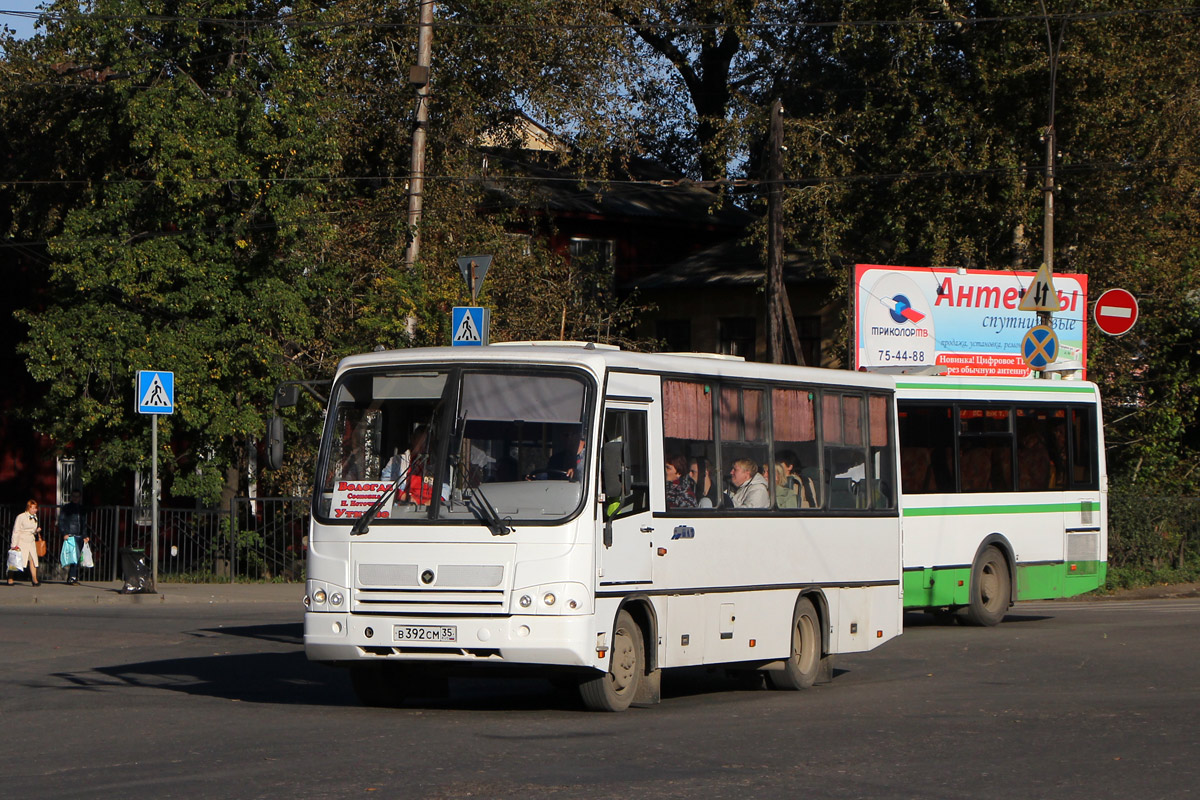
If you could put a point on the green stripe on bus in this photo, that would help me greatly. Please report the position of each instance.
(950, 586)
(1020, 508)
(1032, 387)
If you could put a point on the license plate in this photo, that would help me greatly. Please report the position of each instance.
(425, 633)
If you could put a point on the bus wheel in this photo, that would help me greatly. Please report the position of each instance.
(615, 689)
(800, 669)
(991, 589)
(378, 684)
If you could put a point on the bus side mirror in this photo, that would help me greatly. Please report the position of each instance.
(286, 395)
(275, 442)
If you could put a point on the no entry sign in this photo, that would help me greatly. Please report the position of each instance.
(1115, 312)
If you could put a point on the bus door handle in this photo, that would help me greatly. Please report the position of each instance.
(647, 529)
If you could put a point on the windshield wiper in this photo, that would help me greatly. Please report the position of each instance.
(475, 500)
(363, 523)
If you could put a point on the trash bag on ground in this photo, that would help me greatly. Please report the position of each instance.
(136, 572)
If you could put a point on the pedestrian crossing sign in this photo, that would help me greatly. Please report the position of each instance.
(469, 326)
(155, 392)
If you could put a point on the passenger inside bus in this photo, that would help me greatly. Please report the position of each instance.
(792, 490)
(681, 490)
(700, 471)
(749, 487)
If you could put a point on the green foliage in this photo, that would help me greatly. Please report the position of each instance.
(184, 246)
(221, 187)
(1152, 539)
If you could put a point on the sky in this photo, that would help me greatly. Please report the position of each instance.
(22, 25)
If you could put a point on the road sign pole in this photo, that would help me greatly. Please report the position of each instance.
(154, 500)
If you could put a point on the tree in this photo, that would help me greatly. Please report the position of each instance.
(195, 158)
(1131, 165)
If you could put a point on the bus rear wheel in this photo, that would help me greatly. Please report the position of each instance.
(616, 689)
(800, 669)
(991, 589)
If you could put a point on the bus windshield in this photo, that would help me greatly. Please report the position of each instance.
(440, 444)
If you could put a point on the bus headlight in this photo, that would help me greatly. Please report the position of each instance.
(553, 598)
(324, 596)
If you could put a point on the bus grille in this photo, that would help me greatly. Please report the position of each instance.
(454, 589)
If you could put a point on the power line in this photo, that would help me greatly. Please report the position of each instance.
(599, 183)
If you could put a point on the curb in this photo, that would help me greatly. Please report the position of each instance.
(60, 595)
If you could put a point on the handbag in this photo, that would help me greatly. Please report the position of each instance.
(85, 556)
(41, 548)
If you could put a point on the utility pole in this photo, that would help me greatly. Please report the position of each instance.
(419, 77)
(1044, 317)
(780, 322)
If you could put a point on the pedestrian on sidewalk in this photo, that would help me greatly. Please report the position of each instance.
(26, 532)
(72, 522)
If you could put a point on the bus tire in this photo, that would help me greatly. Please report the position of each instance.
(801, 668)
(376, 684)
(615, 690)
(991, 589)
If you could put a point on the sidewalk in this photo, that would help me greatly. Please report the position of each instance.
(59, 595)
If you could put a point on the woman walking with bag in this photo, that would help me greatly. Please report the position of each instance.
(25, 535)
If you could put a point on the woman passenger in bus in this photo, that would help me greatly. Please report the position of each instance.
(701, 475)
(414, 463)
(681, 490)
(785, 493)
(749, 487)
(800, 488)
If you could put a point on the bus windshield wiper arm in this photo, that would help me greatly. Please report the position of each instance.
(477, 501)
(363, 524)
(484, 511)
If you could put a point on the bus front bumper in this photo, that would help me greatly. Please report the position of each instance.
(524, 639)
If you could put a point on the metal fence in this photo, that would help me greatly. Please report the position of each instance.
(259, 538)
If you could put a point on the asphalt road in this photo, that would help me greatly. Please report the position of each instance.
(1074, 699)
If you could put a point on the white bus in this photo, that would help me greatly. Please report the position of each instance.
(1004, 493)
(527, 505)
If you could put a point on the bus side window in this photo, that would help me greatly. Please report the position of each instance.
(687, 410)
(1083, 449)
(927, 449)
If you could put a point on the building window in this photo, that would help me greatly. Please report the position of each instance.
(596, 253)
(523, 241)
(69, 479)
(737, 336)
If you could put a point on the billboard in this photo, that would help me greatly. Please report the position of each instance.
(967, 321)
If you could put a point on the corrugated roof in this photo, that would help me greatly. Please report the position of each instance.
(645, 189)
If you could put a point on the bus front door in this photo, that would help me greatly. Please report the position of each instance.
(627, 548)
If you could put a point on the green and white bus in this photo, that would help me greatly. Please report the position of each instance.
(1004, 493)
(533, 506)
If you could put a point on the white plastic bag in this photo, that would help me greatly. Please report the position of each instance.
(85, 556)
(15, 562)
